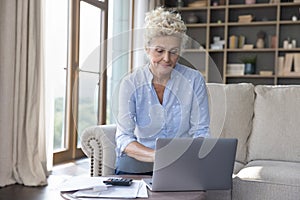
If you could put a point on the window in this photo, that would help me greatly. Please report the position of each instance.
(56, 56)
(89, 66)
(83, 67)
(74, 31)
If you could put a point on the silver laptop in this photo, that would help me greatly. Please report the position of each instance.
(187, 164)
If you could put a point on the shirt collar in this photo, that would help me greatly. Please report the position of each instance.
(149, 75)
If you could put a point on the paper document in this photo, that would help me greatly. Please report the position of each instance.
(143, 192)
(93, 187)
(82, 183)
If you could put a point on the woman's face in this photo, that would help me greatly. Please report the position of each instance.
(163, 53)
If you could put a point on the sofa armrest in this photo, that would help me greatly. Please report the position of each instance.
(98, 143)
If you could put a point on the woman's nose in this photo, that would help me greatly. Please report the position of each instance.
(167, 56)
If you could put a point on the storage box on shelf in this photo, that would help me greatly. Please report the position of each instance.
(267, 29)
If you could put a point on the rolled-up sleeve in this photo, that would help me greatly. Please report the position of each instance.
(126, 115)
(122, 140)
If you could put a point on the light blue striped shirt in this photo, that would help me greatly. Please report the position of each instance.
(184, 111)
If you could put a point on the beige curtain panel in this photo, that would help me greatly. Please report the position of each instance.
(22, 135)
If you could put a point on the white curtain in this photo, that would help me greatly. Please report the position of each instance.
(22, 135)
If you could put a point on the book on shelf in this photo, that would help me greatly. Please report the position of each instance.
(288, 63)
(280, 65)
(233, 42)
(242, 40)
(297, 62)
(292, 64)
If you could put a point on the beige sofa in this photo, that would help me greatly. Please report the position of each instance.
(266, 121)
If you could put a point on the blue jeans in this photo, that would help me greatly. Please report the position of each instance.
(129, 165)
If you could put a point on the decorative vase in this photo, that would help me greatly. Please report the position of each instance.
(260, 43)
(192, 18)
(249, 68)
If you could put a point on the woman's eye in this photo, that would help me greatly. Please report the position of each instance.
(160, 50)
(174, 51)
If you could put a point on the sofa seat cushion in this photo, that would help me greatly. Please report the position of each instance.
(255, 190)
(275, 172)
(231, 111)
(263, 179)
(276, 124)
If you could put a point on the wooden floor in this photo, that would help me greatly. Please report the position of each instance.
(59, 174)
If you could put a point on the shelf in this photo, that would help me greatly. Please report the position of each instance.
(217, 24)
(220, 7)
(291, 4)
(275, 19)
(216, 50)
(251, 76)
(196, 25)
(252, 6)
(186, 8)
(289, 22)
(289, 50)
(252, 50)
(253, 23)
(289, 76)
(237, 6)
(193, 51)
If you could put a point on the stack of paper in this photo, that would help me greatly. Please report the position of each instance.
(93, 187)
(245, 18)
(199, 3)
(235, 69)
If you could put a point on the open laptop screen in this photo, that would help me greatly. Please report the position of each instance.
(186, 164)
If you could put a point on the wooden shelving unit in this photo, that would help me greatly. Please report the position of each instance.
(275, 19)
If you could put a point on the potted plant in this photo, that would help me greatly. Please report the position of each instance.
(250, 64)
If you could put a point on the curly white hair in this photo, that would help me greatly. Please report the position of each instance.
(161, 22)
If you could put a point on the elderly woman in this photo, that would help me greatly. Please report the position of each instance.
(163, 99)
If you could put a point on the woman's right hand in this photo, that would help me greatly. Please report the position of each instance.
(140, 152)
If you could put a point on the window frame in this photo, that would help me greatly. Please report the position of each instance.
(72, 152)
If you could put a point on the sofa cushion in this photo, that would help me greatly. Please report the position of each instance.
(267, 180)
(231, 112)
(276, 172)
(263, 179)
(276, 125)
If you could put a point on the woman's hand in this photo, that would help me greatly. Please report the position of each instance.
(140, 152)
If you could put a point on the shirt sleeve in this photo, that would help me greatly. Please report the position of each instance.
(126, 114)
(200, 117)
